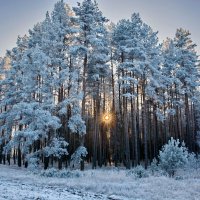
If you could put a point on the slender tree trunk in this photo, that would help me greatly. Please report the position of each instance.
(83, 105)
(135, 158)
(60, 163)
(96, 131)
(145, 136)
(19, 157)
(46, 162)
(155, 138)
(144, 116)
(114, 124)
(188, 131)
(1, 153)
(138, 123)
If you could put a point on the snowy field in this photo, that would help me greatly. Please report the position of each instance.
(20, 184)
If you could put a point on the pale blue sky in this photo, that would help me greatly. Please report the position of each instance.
(17, 16)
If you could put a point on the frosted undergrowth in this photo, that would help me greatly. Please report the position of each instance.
(52, 172)
(102, 184)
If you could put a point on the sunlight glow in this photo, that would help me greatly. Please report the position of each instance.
(107, 118)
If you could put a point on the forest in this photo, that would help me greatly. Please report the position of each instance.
(79, 89)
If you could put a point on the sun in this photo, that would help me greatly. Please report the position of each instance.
(107, 118)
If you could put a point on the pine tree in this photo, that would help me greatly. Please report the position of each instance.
(139, 60)
(188, 75)
(12, 85)
(173, 155)
(56, 42)
(93, 44)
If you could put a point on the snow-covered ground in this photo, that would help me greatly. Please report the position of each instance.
(19, 184)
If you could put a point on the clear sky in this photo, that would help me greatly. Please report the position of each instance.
(165, 16)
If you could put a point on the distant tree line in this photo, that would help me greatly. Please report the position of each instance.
(80, 89)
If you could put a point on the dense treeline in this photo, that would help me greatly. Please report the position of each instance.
(79, 88)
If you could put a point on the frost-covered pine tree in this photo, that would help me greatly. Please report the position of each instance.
(173, 89)
(188, 74)
(2, 76)
(12, 89)
(173, 156)
(138, 55)
(55, 41)
(93, 46)
(46, 65)
(76, 123)
(122, 39)
(69, 95)
(38, 96)
(29, 119)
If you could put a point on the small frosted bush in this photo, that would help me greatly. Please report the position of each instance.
(173, 156)
(69, 174)
(52, 172)
(193, 161)
(33, 162)
(138, 172)
(155, 170)
(154, 166)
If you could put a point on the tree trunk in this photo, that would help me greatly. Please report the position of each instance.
(19, 157)
(46, 162)
(1, 153)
